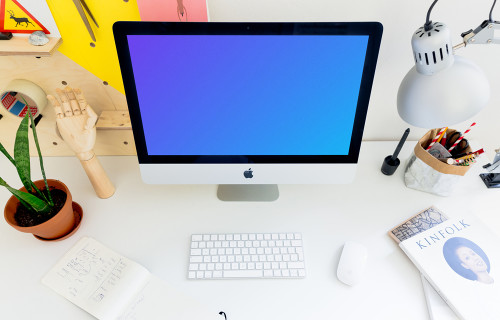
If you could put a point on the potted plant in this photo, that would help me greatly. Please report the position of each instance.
(44, 207)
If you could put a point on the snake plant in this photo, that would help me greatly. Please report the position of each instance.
(34, 200)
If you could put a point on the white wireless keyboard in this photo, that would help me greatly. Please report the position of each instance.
(246, 255)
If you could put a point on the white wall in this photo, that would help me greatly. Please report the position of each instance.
(400, 19)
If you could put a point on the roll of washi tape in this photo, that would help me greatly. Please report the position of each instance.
(11, 98)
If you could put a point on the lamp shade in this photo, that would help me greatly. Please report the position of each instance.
(442, 89)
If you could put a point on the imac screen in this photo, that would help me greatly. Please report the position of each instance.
(247, 94)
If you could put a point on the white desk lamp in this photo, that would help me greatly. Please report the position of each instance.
(442, 88)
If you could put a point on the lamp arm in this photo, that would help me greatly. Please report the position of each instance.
(488, 32)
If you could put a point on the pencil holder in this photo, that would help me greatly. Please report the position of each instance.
(426, 173)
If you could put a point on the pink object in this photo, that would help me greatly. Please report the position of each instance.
(173, 10)
(461, 137)
(440, 133)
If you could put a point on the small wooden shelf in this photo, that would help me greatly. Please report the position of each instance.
(19, 46)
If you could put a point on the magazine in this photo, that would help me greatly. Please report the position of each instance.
(461, 260)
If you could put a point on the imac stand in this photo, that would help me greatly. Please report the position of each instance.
(248, 192)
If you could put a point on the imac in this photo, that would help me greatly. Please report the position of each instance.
(247, 105)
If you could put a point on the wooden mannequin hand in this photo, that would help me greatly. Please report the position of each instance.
(75, 121)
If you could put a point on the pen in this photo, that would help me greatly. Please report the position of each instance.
(400, 144)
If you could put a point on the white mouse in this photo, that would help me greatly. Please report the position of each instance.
(352, 263)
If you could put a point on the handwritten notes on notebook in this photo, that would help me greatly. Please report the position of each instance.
(110, 286)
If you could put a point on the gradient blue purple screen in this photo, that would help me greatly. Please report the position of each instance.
(247, 95)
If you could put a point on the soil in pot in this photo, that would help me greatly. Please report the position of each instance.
(27, 218)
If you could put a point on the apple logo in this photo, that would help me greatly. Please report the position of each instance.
(248, 173)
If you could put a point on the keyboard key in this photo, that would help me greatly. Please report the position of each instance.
(242, 274)
(296, 243)
(217, 274)
(296, 265)
(196, 252)
(195, 259)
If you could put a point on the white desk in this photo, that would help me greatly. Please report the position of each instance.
(152, 225)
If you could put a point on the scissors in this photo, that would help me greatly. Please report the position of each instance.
(80, 5)
(461, 146)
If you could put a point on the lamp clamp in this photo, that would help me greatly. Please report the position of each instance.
(488, 32)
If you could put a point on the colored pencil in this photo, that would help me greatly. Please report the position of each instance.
(438, 136)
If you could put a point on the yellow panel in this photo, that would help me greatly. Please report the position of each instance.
(98, 57)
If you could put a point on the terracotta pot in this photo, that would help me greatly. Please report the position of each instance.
(57, 226)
